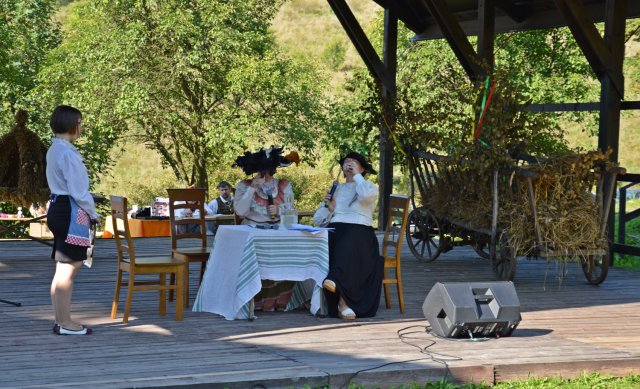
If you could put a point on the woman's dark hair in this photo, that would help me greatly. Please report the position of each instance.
(64, 119)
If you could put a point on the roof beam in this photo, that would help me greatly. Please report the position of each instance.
(534, 20)
(516, 13)
(361, 43)
(456, 37)
(487, 29)
(591, 43)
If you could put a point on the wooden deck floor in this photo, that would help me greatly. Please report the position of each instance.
(567, 328)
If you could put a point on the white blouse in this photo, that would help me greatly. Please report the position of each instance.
(67, 175)
(355, 204)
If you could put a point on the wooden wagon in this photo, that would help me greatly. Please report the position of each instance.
(432, 230)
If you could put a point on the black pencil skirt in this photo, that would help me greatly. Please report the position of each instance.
(58, 220)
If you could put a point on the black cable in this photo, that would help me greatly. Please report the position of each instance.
(423, 350)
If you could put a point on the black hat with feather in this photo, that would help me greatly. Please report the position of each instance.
(265, 160)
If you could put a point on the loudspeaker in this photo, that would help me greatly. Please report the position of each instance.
(472, 309)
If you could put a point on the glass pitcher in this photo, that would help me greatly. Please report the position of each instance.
(288, 215)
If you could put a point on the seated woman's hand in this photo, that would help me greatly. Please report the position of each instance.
(273, 209)
(332, 205)
(257, 182)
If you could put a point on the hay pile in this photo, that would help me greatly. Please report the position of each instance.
(568, 212)
(22, 165)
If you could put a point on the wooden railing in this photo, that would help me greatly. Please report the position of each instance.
(619, 246)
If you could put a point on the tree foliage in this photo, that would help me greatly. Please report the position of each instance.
(28, 33)
(197, 81)
(438, 105)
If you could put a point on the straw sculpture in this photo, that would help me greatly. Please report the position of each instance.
(22, 165)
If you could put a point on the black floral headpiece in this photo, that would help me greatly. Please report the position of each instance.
(265, 159)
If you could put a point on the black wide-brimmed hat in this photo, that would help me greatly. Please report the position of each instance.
(366, 165)
(265, 159)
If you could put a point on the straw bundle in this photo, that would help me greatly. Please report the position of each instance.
(568, 213)
(22, 165)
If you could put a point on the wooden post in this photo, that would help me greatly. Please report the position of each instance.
(390, 61)
(610, 96)
(486, 31)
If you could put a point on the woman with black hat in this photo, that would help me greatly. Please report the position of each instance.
(257, 200)
(355, 265)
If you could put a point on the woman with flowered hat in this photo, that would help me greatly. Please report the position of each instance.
(257, 200)
(354, 281)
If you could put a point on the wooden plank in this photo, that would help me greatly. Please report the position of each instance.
(292, 349)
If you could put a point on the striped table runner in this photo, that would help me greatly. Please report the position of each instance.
(243, 255)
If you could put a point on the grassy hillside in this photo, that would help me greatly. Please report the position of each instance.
(310, 29)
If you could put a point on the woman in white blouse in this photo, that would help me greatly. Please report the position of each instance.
(355, 265)
(70, 212)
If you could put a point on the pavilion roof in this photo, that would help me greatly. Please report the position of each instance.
(510, 15)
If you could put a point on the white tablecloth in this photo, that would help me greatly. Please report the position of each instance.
(243, 255)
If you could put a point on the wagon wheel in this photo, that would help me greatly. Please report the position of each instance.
(424, 235)
(596, 267)
(504, 261)
(482, 249)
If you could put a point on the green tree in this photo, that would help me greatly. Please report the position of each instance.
(437, 101)
(197, 81)
(28, 34)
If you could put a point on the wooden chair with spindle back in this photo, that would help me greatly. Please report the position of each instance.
(393, 236)
(135, 265)
(191, 199)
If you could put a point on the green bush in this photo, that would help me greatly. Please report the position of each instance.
(334, 53)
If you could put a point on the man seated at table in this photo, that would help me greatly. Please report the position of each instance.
(257, 200)
(221, 205)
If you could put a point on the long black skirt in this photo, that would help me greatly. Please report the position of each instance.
(58, 220)
(355, 265)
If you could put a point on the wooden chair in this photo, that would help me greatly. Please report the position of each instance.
(192, 199)
(237, 219)
(394, 233)
(129, 262)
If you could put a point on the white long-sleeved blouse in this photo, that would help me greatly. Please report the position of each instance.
(355, 203)
(67, 175)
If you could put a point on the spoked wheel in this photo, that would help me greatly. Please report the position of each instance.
(424, 235)
(596, 267)
(482, 249)
(504, 261)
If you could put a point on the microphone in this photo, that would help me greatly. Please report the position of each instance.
(270, 200)
(327, 198)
